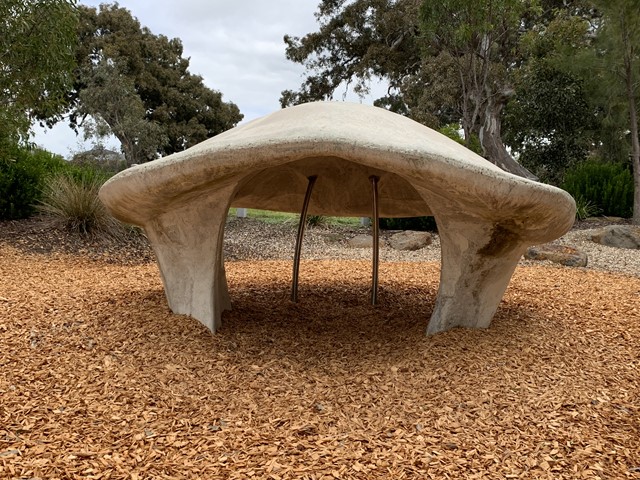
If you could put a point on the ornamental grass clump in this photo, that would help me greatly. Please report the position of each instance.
(72, 201)
(586, 208)
(317, 220)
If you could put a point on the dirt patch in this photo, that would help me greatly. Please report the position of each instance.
(41, 236)
(99, 380)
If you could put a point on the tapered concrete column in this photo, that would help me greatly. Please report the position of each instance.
(478, 259)
(188, 244)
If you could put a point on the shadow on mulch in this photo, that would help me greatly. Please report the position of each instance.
(330, 321)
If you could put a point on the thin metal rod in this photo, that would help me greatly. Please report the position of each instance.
(376, 240)
(301, 225)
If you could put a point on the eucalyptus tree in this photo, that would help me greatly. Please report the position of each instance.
(169, 108)
(112, 107)
(482, 39)
(356, 41)
(445, 61)
(37, 40)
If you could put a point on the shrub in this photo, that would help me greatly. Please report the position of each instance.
(22, 175)
(71, 199)
(420, 224)
(317, 220)
(19, 188)
(607, 187)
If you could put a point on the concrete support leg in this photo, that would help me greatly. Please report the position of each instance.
(478, 260)
(188, 244)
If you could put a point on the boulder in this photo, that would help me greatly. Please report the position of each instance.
(361, 241)
(410, 240)
(562, 254)
(618, 236)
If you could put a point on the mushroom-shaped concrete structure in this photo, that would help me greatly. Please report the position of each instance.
(486, 217)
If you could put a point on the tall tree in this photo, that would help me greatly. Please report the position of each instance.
(356, 41)
(446, 61)
(37, 40)
(169, 106)
(113, 107)
(482, 38)
(619, 49)
(551, 122)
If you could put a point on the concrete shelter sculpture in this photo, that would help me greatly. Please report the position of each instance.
(337, 159)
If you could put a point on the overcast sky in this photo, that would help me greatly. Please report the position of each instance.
(236, 46)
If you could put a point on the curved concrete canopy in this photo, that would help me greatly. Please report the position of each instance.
(486, 217)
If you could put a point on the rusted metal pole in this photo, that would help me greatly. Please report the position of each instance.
(301, 225)
(376, 239)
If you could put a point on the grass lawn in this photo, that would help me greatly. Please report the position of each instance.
(269, 216)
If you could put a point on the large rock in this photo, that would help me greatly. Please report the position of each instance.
(618, 236)
(410, 240)
(361, 241)
(486, 217)
(562, 254)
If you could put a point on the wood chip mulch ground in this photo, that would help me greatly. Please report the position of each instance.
(98, 379)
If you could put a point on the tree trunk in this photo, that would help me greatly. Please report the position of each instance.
(128, 148)
(635, 153)
(635, 141)
(491, 140)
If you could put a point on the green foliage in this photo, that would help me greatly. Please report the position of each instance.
(117, 109)
(22, 175)
(72, 201)
(420, 224)
(461, 25)
(430, 94)
(452, 131)
(317, 220)
(356, 41)
(620, 50)
(37, 40)
(549, 122)
(483, 37)
(137, 85)
(607, 187)
(610, 68)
